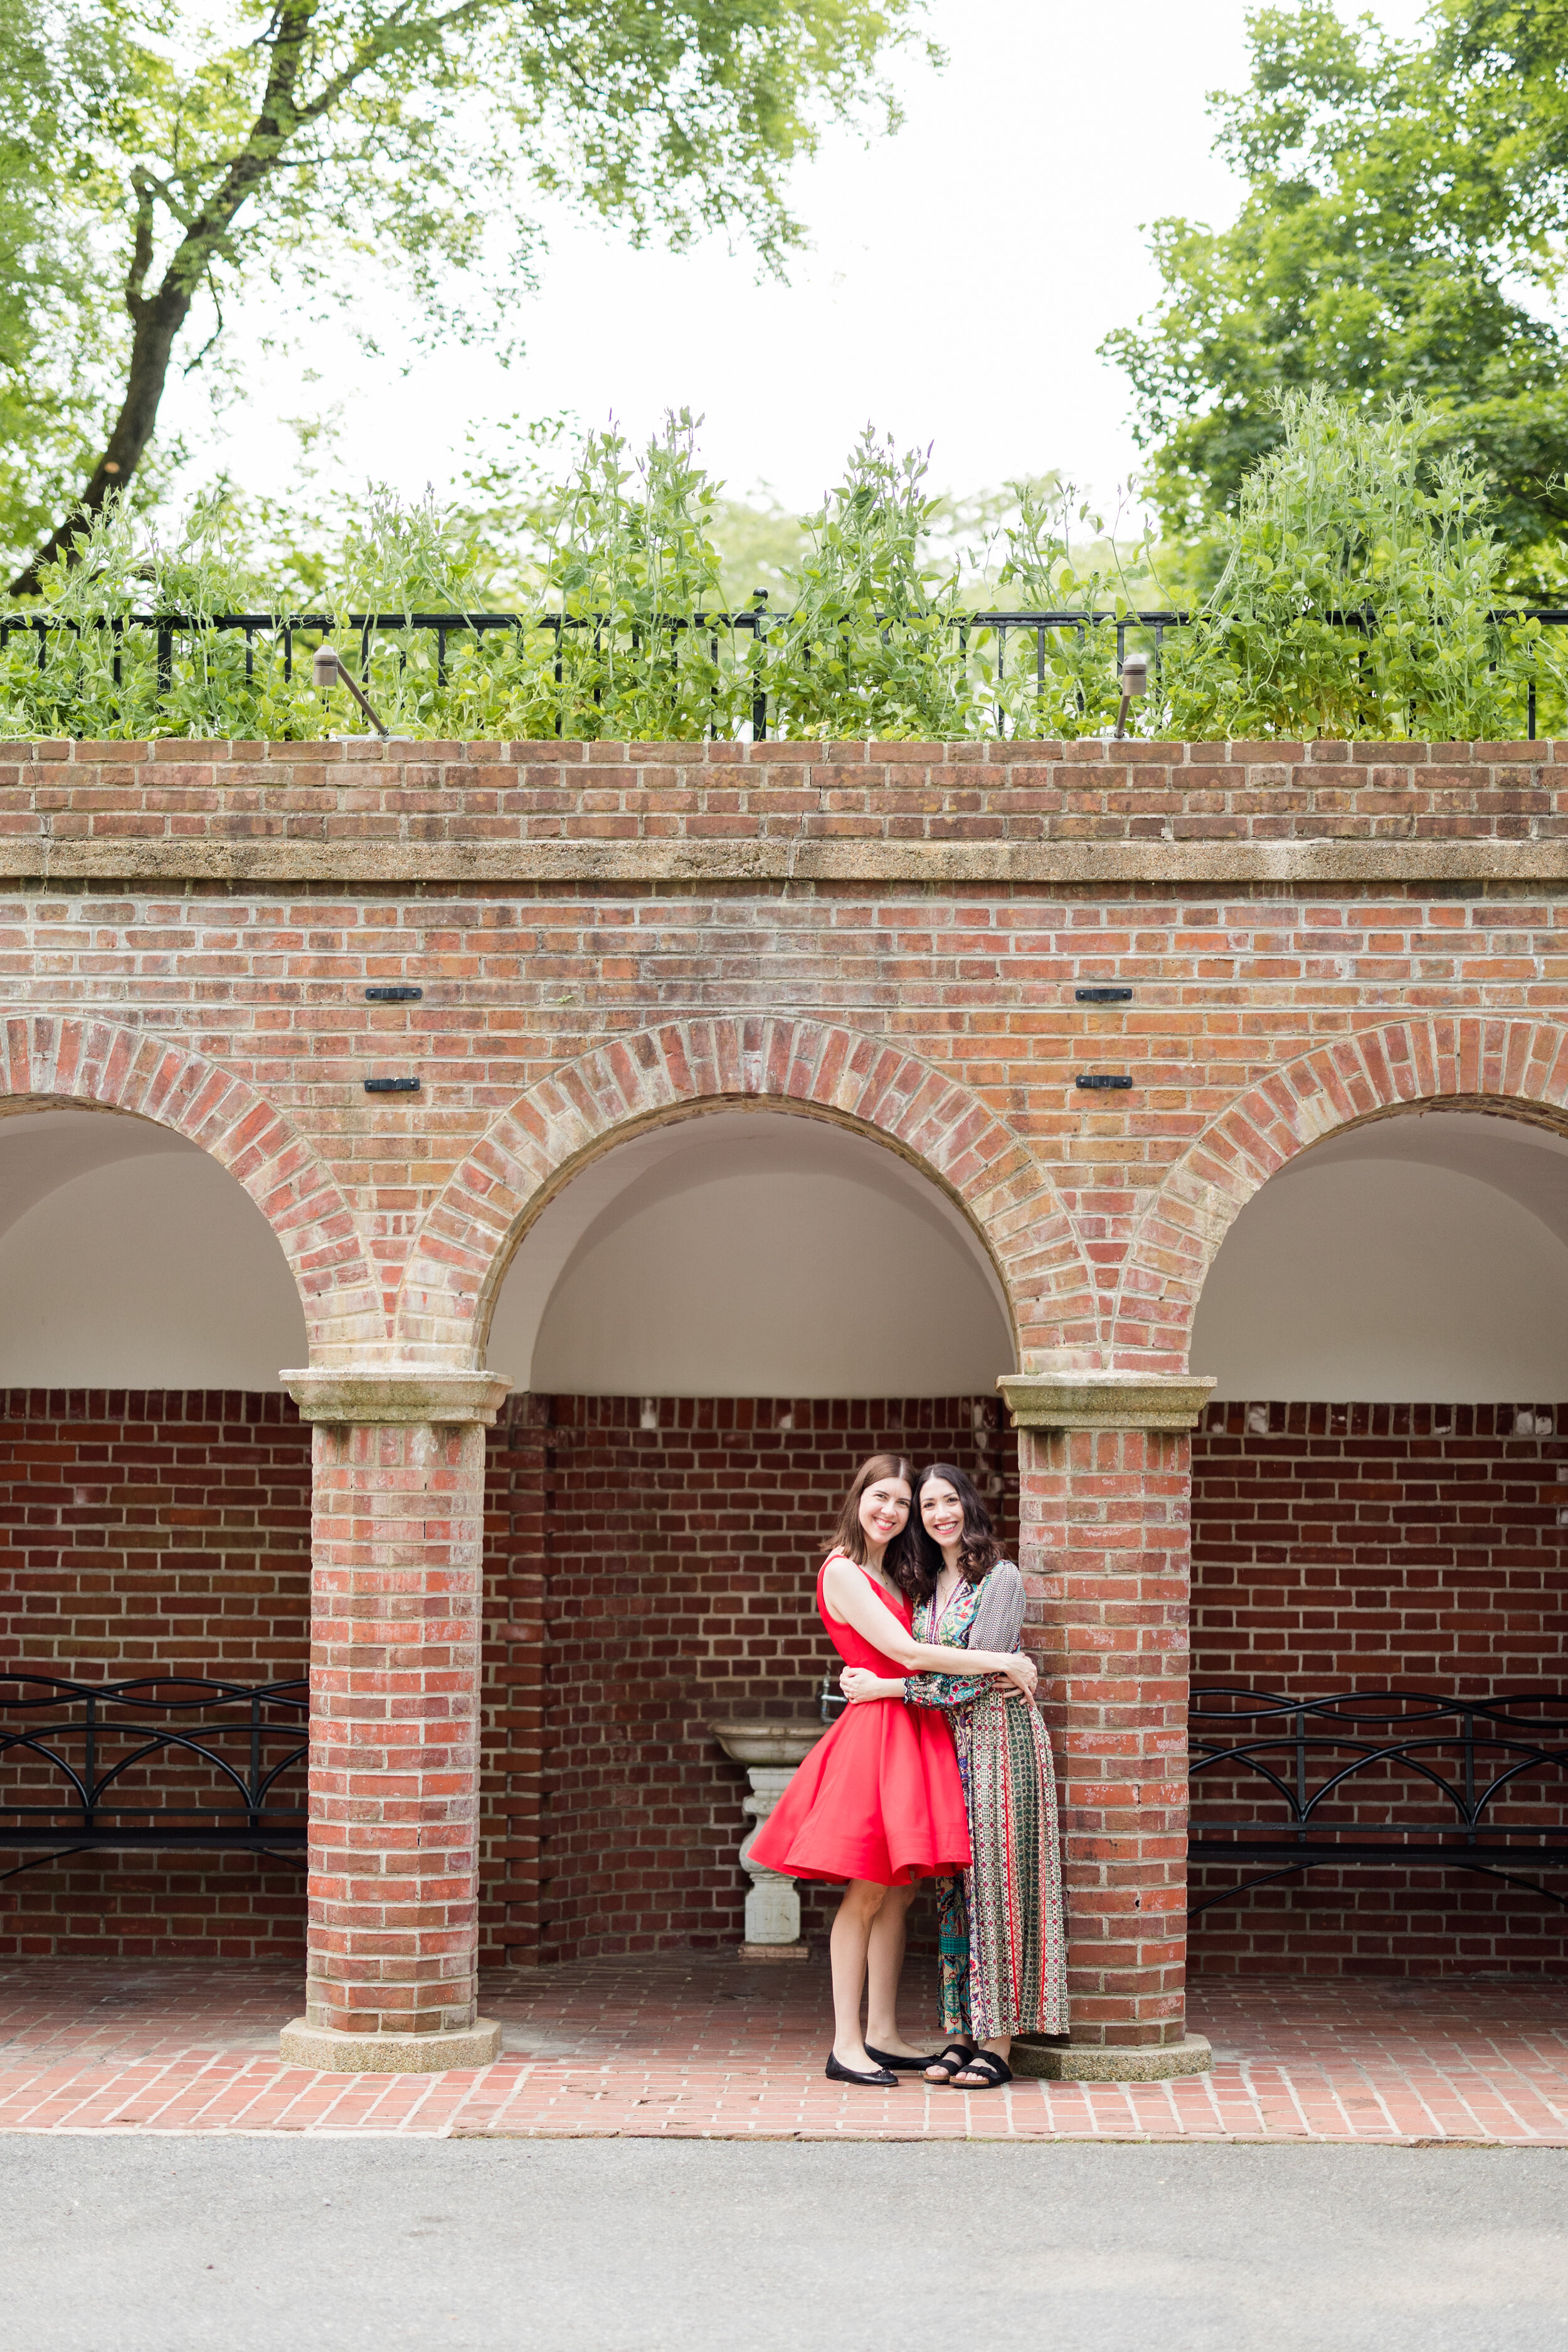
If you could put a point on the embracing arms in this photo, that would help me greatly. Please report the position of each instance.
(998, 1620)
(851, 1600)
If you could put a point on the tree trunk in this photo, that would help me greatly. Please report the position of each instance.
(157, 324)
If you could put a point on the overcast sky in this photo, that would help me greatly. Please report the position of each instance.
(959, 279)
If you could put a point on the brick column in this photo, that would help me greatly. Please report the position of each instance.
(1105, 1492)
(396, 1594)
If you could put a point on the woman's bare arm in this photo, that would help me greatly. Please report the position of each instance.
(859, 1683)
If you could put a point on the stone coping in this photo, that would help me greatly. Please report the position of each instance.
(221, 863)
(390, 1395)
(1105, 1399)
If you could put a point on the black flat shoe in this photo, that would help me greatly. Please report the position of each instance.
(899, 2065)
(880, 2080)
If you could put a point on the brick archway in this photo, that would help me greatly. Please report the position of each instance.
(1482, 1063)
(473, 1230)
(59, 1061)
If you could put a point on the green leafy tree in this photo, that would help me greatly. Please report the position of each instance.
(57, 320)
(1399, 236)
(309, 136)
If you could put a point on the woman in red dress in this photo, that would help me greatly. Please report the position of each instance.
(879, 1801)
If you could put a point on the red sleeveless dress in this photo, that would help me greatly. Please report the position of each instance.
(880, 1797)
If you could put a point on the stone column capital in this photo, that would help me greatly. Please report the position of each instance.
(384, 1395)
(1105, 1399)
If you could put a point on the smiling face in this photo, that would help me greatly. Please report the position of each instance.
(885, 1511)
(942, 1512)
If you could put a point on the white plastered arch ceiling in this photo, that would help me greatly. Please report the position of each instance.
(752, 1253)
(128, 1258)
(1419, 1258)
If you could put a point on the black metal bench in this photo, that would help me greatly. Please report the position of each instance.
(1475, 1758)
(90, 1736)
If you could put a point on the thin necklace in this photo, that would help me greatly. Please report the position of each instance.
(891, 1589)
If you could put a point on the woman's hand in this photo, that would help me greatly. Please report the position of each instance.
(859, 1683)
(1024, 1673)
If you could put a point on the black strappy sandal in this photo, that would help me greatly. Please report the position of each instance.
(898, 2065)
(993, 2070)
(953, 2059)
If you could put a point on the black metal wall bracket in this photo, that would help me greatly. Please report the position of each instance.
(392, 1086)
(1102, 996)
(1101, 1082)
(394, 995)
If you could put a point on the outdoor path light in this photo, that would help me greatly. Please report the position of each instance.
(328, 664)
(1135, 683)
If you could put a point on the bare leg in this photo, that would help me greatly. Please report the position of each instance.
(848, 1945)
(884, 1964)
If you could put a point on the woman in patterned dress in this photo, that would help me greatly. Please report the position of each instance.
(879, 1804)
(1002, 1967)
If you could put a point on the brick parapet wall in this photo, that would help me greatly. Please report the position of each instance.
(180, 793)
(1389, 1546)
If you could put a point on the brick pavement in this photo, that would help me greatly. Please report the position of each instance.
(702, 2046)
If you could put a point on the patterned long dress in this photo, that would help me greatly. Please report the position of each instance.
(1004, 1945)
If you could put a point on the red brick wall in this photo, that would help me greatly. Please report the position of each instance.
(61, 798)
(1403, 1547)
(1107, 1530)
(678, 1567)
(143, 1532)
(1361, 1543)
(396, 1639)
(146, 1531)
(891, 935)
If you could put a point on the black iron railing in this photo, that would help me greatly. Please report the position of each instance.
(277, 634)
(237, 1740)
(1379, 1777)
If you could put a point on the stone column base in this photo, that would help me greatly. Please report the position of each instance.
(330, 2052)
(1088, 2062)
(800, 1951)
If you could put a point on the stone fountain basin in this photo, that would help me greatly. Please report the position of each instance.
(756, 1740)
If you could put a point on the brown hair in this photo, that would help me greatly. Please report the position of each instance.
(849, 1535)
(978, 1549)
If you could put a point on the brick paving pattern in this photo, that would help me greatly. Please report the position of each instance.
(695, 2046)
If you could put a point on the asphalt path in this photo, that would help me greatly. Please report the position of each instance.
(267, 2244)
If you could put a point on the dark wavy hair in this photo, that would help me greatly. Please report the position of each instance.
(849, 1535)
(978, 1550)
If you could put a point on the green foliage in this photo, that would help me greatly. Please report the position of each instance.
(61, 330)
(870, 648)
(1073, 689)
(1357, 579)
(1400, 226)
(164, 162)
(1348, 516)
